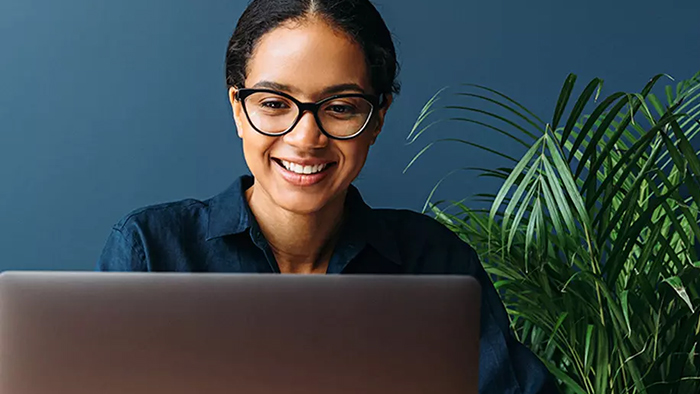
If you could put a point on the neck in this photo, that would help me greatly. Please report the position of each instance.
(301, 243)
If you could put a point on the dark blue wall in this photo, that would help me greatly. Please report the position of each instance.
(106, 106)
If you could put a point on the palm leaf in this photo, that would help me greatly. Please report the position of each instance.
(591, 237)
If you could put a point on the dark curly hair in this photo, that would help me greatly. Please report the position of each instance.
(357, 18)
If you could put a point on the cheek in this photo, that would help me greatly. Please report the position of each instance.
(255, 146)
(356, 153)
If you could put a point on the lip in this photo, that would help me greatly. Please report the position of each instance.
(303, 179)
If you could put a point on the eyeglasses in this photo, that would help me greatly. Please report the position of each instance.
(274, 113)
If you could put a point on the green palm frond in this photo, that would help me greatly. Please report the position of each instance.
(592, 237)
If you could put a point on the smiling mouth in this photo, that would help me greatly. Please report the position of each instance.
(303, 169)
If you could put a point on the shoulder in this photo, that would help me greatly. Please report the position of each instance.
(165, 215)
(415, 226)
(425, 242)
(152, 231)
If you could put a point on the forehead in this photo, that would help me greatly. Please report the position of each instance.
(308, 56)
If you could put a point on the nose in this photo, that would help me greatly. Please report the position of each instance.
(306, 134)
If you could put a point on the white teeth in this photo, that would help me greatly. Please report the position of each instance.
(306, 170)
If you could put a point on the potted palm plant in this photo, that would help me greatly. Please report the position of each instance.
(592, 238)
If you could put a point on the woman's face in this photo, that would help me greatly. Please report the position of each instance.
(309, 61)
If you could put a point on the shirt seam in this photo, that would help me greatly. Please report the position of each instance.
(140, 253)
(155, 208)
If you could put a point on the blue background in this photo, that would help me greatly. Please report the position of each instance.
(107, 106)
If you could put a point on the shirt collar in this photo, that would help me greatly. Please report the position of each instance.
(228, 211)
(230, 214)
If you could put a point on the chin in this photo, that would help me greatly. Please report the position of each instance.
(301, 206)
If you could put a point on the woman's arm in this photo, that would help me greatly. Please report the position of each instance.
(505, 365)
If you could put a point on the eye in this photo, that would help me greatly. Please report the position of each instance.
(341, 109)
(274, 104)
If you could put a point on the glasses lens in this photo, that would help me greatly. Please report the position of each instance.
(345, 116)
(271, 113)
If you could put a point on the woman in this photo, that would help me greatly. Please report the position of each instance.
(310, 83)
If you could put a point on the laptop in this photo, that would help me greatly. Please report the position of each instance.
(177, 333)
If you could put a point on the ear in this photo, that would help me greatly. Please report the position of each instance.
(388, 99)
(237, 109)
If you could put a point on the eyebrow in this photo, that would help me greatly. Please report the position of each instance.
(335, 89)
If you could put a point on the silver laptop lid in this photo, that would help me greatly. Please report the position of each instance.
(145, 333)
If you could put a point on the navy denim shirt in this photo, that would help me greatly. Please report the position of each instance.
(221, 235)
